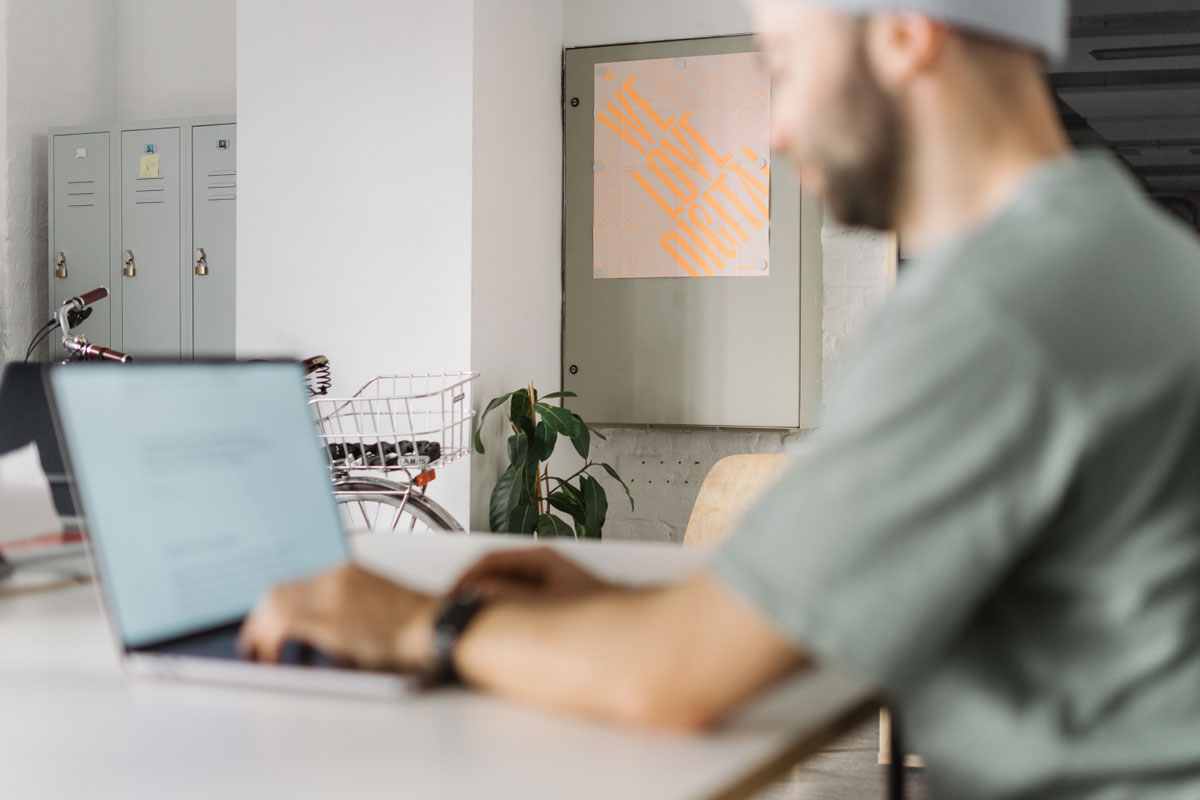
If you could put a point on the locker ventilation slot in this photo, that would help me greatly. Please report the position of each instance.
(83, 192)
(222, 179)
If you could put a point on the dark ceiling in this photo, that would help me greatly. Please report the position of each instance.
(1132, 83)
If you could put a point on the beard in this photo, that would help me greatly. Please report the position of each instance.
(862, 171)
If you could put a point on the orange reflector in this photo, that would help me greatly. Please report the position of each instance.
(425, 477)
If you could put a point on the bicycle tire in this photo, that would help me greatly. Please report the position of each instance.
(364, 499)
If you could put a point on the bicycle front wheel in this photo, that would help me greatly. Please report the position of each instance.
(376, 504)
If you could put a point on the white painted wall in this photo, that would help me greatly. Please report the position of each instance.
(592, 22)
(355, 188)
(665, 467)
(175, 58)
(516, 216)
(57, 63)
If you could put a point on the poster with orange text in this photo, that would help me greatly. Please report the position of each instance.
(682, 168)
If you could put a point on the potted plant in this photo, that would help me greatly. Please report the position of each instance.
(526, 497)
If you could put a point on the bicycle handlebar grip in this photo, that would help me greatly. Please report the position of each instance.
(87, 298)
(96, 351)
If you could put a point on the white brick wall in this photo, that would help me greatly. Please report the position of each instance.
(666, 466)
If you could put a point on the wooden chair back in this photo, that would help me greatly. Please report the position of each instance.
(730, 488)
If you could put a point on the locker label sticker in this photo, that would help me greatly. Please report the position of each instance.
(81, 152)
(149, 166)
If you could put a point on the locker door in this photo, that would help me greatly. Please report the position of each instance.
(214, 218)
(150, 308)
(81, 227)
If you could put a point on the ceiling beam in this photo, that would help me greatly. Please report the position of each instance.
(1127, 79)
(1081, 133)
(1157, 144)
(1169, 171)
(1148, 24)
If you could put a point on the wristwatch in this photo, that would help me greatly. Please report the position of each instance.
(451, 623)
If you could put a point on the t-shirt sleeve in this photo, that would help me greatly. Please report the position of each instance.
(946, 448)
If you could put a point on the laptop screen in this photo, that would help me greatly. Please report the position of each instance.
(202, 486)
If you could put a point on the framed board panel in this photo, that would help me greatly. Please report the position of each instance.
(680, 306)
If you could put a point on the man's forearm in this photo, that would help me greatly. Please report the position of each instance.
(677, 657)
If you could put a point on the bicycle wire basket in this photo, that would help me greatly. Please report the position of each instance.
(409, 423)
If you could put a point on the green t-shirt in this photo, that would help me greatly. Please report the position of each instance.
(999, 523)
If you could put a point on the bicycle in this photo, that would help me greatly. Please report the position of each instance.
(70, 315)
(395, 425)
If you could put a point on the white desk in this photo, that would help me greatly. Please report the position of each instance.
(72, 726)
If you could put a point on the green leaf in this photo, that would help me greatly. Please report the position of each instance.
(557, 394)
(531, 479)
(523, 519)
(544, 439)
(608, 468)
(583, 442)
(492, 406)
(519, 411)
(506, 496)
(569, 502)
(550, 525)
(596, 432)
(560, 420)
(518, 448)
(595, 505)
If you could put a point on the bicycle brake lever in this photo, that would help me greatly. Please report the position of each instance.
(75, 317)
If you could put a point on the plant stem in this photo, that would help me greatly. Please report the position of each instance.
(586, 467)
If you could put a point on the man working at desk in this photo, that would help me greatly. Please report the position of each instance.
(1000, 523)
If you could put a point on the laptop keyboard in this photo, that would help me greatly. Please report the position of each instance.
(222, 643)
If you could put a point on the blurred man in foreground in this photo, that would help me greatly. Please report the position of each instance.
(1000, 524)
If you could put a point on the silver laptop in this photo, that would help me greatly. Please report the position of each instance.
(202, 485)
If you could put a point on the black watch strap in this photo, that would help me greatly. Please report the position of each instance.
(452, 621)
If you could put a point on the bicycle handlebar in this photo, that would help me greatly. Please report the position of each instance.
(87, 298)
(104, 354)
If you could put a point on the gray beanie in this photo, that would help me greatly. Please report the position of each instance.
(1040, 24)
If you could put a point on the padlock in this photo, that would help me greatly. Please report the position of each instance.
(60, 265)
(130, 270)
(201, 262)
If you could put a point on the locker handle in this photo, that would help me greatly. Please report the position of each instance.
(60, 265)
(201, 262)
(130, 269)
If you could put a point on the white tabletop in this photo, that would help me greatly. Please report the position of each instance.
(71, 725)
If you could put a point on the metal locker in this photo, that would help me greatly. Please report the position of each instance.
(79, 240)
(214, 222)
(152, 278)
